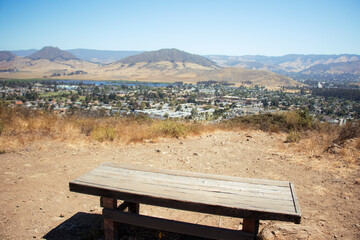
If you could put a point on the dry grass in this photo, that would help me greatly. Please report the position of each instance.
(325, 150)
(357, 144)
(20, 126)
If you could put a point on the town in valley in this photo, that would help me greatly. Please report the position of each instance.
(210, 100)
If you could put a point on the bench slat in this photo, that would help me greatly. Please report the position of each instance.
(197, 175)
(248, 190)
(222, 195)
(212, 196)
(204, 182)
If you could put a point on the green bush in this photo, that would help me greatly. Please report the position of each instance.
(278, 122)
(103, 133)
(293, 136)
(171, 128)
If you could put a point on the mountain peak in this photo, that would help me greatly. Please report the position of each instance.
(51, 53)
(6, 56)
(168, 54)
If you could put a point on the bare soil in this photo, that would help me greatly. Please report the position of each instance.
(36, 202)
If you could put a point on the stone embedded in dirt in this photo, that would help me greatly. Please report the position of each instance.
(61, 215)
(334, 149)
(266, 234)
(157, 150)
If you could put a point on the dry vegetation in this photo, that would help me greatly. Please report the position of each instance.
(19, 126)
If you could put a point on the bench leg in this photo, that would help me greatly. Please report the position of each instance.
(109, 225)
(251, 225)
(134, 207)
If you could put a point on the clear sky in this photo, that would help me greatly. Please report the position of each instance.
(264, 27)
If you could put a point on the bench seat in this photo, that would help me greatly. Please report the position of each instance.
(250, 199)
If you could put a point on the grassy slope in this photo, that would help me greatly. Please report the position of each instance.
(152, 72)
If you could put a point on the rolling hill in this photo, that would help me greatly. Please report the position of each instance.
(51, 53)
(169, 55)
(165, 65)
(313, 64)
(294, 63)
(6, 56)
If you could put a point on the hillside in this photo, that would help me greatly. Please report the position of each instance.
(240, 76)
(352, 67)
(165, 65)
(294, 63)
(170, 55)
(6, 56)
(23, 68)
(51, 53)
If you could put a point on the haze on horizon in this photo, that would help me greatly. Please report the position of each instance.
(225, 27)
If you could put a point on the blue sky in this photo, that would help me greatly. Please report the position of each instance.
(263, 27)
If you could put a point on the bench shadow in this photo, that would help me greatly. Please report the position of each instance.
(89, 226)
(80, 226)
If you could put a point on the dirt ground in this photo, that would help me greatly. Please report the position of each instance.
(36, 202)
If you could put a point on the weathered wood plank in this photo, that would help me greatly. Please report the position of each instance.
(183, 205)
(190, 181)
(212, 198)
(228, 196)
(168, 190)
(248, 191)
(296, 202)
(198, 175)
(176, 226)
(165, 176)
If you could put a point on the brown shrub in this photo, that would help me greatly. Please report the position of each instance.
(349, 131)
(19, 126)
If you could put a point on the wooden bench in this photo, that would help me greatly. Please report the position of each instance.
(250, 199)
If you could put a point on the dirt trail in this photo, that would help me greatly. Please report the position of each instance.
(36, 201)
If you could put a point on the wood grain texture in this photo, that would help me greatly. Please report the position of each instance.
(214, 194)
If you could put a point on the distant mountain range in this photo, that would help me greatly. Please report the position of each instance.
(294, 63)
(91, 55)
(165, 65)
(315, 64)
(102, 56)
